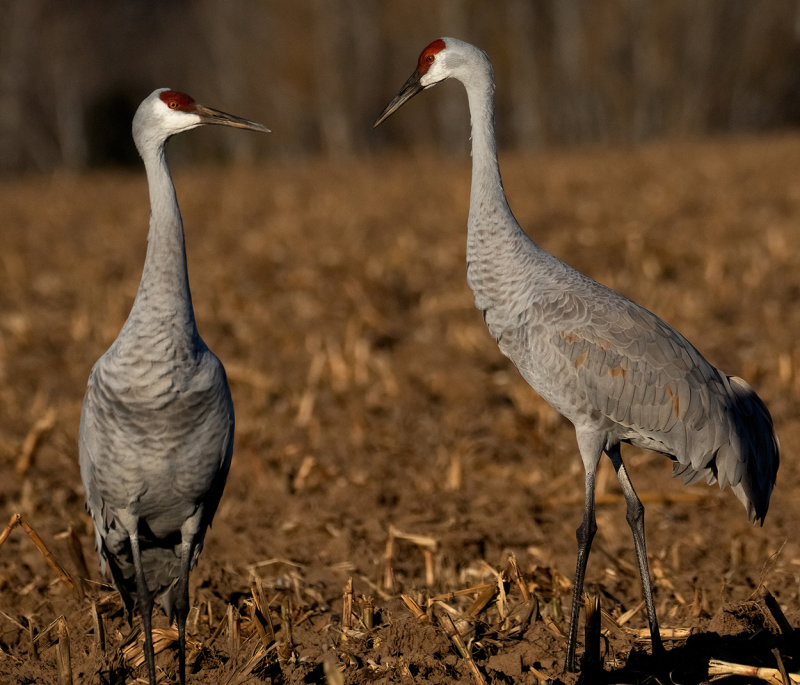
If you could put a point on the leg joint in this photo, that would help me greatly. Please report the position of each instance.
(634, 511)
(586, 531)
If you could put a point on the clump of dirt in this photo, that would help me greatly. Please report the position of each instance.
(742, 618)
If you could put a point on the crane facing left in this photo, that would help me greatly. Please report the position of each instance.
(156, 432)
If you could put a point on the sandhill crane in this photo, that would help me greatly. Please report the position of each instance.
(614, 369)
(156, 433)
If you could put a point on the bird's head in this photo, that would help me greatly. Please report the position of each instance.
(166, 112)
(444, 58)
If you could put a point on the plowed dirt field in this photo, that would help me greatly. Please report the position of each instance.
(382, 438)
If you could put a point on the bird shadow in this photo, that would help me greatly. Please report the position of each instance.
(688, 664)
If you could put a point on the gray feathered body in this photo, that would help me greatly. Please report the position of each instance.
(614, 369)
(155, 442)
(156, 433)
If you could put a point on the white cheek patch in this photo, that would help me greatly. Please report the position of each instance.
(429, 79)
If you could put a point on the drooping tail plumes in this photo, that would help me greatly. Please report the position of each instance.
(759, 446)
(746, 456)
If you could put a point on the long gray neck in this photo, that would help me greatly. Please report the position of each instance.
(163, 299)
(490, 218)
(487, 186)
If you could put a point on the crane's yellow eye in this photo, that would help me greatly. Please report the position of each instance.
(429, 59)
(173, 104)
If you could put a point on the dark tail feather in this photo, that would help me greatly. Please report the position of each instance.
(758, 446)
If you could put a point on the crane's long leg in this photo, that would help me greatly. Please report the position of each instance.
(188, 535)
(182, 607)
(635, 517)
(585, 535)
(145, 600)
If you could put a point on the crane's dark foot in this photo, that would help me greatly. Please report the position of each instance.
(569, 659)
(661, 666)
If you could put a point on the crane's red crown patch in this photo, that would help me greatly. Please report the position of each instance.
(180, 101)
(428, 55)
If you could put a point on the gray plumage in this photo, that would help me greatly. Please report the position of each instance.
(156, 433)
(614, 369)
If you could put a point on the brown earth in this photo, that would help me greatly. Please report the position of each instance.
(381, 437)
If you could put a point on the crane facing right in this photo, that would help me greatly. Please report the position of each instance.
(615, 370)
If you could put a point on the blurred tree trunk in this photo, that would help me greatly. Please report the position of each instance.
(525, 90)
(333, 74)
(18, 25)
(366, 44)
(225, 34)
(69, 73)
(569, 115)
(647, 114)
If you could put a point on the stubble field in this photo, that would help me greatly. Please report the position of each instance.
(382, 438)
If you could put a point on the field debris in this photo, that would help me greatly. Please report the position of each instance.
(724, 669)
(63, 574)
(37, 433)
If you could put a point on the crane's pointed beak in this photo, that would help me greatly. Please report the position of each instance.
(409, 90)
(214, 116)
